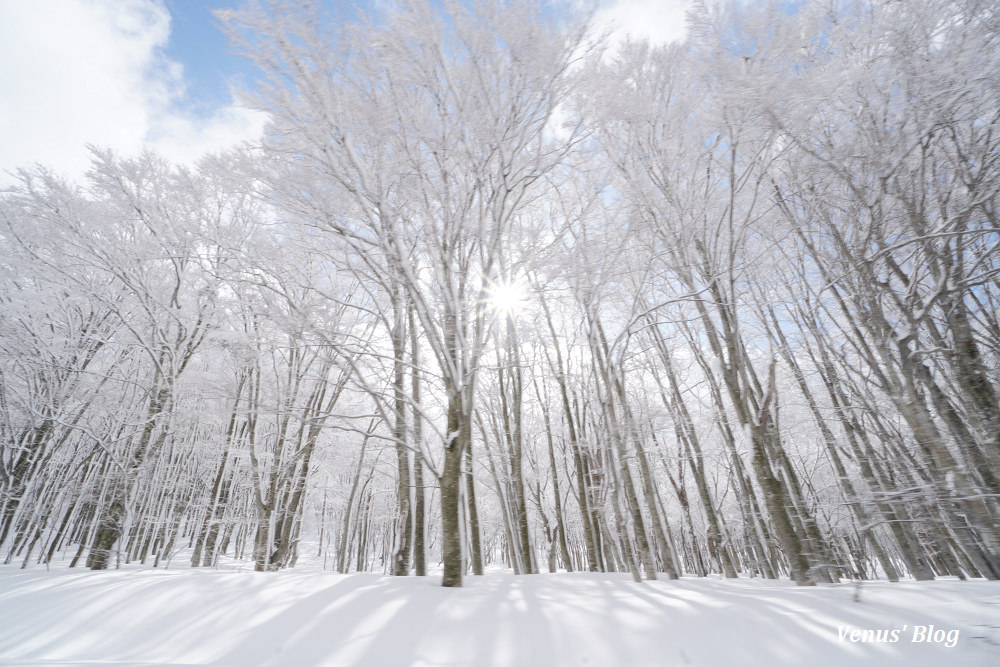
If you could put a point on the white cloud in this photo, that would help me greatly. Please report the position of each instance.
(92, 71)
(659, 21)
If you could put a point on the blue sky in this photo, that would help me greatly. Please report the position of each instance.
(157, 74)
(209, 62)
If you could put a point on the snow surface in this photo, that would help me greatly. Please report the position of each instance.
(304, 619)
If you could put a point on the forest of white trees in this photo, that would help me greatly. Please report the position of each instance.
(492, 291)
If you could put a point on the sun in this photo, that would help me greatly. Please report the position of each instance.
(507, 297)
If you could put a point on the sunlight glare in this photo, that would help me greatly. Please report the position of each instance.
(507, 298)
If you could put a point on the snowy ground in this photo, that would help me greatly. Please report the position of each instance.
(305, 619)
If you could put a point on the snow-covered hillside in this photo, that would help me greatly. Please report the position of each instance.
(302, 619)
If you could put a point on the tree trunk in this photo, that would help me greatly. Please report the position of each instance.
(419, 507)
(474, 538)
(458, 432)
